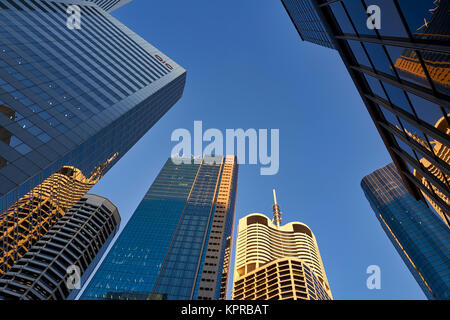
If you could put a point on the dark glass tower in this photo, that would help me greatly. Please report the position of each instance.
(402, 72)
(174, 245)
(305, 19)
(71, 98)
(420, 237)
(78, 239)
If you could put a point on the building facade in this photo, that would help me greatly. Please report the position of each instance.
(419, 236)
(275, 262)
(110, 5)
(77, 240)
(306, 22)
(401, 71)
(72, 103)
(35, 213)
(175, 243)
(73, 97)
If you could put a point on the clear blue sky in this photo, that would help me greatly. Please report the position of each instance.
(248, 68)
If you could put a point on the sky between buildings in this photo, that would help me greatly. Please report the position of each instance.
(248, 68)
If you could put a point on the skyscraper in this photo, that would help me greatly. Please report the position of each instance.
(174, 245)
(73, 101)
(401, 71)
(110, 5)
(65, 256)
(306, 22)
(420, 237)
(73, 97)
(25, 222)
(275, 262)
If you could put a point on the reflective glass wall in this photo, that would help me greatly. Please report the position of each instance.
(401, 70)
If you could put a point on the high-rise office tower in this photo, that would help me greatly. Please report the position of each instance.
(306, 22)
(72, 101)
(402, 73)
(73, 96)
(420, 237)
(25, 222)
(109, 5)
(275, 262)
(59, 263)
(174, 245)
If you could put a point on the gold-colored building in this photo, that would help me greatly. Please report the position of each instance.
(28, 219)
(275, 262)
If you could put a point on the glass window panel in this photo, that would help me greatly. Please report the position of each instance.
(14, 141)
(407, 65)
(397, 97)
(426, 110)
(341, 18)
(375, 86)
(379, 58)
(415, 11)
(391, 25)
(23, 149)
(359, 16)
(390, 117)
(405, 147)
(438, 66)
(359, 53)
(415, 134)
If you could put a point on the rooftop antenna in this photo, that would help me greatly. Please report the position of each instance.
(276, 210)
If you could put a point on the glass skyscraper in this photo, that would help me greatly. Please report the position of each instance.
(402, 73)
(76, 98)
(109, 5)
(420, 237)
(306, 22)
(175, 243)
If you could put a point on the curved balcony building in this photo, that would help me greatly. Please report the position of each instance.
(277, 262)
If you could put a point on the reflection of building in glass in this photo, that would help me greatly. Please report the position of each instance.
(30, 218)
(442, 152)
(175, 242)
(275, 262)
(437, 64)
(419, 236)
(402, 74)
(78, 96)
(77, 240)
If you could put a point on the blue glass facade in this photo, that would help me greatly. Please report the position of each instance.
(402, 73)
(419, 235)
(163, 248)
(308, 25)
(73, 97)
(109, 5)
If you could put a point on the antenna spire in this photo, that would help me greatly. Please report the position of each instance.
(276, 210)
